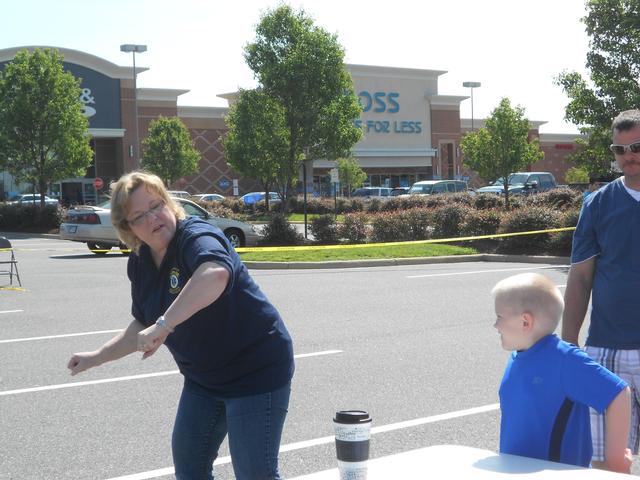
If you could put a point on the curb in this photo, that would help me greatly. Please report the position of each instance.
(391, 262)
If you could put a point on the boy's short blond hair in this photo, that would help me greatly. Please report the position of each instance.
(534, 293)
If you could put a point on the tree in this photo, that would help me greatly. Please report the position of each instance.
(169, 150)
(350, 173)
(502, 146)
(257, 143)
(576, 175)
(301, 66)
(43, 133)
(614, 64)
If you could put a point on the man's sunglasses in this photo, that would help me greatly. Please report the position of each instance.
(619, 149)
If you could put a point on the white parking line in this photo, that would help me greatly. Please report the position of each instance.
(11, 311)
(48, 337)
(90, 382)
(481, 271)
(128, 377)
(330, 439)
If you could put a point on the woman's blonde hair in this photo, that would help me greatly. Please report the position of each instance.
(121, 191)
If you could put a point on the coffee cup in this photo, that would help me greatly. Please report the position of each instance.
(353, 431)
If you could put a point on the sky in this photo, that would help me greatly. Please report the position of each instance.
(514, 48)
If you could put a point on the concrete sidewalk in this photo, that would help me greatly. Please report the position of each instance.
(386, 262)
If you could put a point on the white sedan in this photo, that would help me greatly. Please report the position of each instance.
(28, 198)
(92, 225)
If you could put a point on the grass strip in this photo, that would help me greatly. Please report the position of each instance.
(399, 251)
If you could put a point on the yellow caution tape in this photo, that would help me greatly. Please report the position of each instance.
(413, 242)
(356, 245)
(17, 289)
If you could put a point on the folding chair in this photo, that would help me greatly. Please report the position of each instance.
(6, 248)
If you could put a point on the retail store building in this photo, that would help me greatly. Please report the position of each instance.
(411, 131)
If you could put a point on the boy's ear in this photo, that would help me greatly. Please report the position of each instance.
(527, 321)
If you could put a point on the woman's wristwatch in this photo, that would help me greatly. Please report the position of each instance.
(161, 322)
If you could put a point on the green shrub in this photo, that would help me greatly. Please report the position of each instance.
(404, 202)
(487, 201)
(374, 205)
(420, 222)
(560, 242)
(322, 206)
(280, 232)
(324, 229)
(558, 198)
(464, 198)
(234, 204)
(447, 220)
(525, 219)
(389, 227)
(10, 217)
(294, 204)
(480, 222)
(30, 217)
(354, 205)
(354, 228)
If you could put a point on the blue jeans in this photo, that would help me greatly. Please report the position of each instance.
(254, 424)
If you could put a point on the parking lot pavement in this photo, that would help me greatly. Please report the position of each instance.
(413, 345)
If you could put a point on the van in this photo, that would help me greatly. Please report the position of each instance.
(431, 187)
(372, 192)
(522, 183)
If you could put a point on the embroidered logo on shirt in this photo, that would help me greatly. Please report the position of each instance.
(174, 281)
(536, 381)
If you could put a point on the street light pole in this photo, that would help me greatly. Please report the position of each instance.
(128, 47)
(471, 85)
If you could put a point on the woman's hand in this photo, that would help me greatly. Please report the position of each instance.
(150, 339)
(82, 361)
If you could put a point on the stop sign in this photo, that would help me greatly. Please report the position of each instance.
(98, 183)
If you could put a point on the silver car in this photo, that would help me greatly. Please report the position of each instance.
(28, 198)
(92, 225)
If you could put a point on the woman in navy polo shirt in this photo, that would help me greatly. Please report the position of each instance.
(192, 293)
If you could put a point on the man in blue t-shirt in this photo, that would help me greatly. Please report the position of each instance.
(605, 265)
(549, 385)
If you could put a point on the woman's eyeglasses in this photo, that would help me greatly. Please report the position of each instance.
(619, 149)
(153, 210)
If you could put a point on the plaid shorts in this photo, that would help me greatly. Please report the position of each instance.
(625, 364)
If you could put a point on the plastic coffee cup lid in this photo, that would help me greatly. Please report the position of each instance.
(352, 416)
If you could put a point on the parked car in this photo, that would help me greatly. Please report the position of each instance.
(254, 197)
(92, 225)
(431, 187)
(34, 198)
(208, 197)
(179, 193)
(521, 183)
(396, 191)
(372, 192)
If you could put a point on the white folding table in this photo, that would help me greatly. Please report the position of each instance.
(459, 462)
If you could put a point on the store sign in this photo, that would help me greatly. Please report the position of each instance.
(87, 100)
(385, 102)
(379, 101)
(100, 96)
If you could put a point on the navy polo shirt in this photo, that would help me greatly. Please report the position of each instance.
(236, 346)
(609, 230)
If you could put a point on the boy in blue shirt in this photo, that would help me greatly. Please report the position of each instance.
(549, 384)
